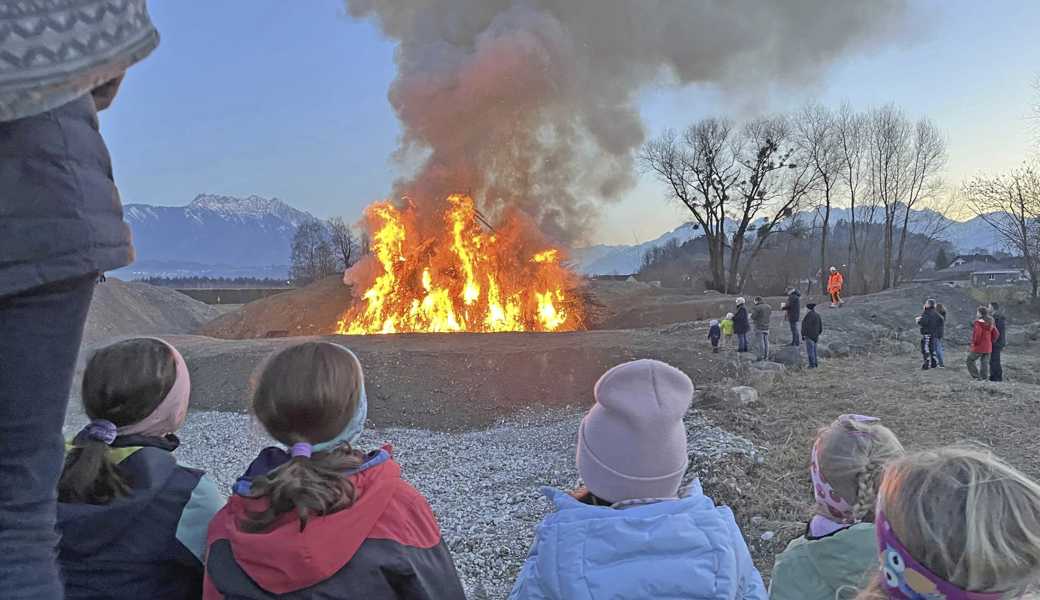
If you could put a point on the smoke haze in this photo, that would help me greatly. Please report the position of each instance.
(531, 104)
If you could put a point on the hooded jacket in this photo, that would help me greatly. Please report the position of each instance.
(760, 316)
(149, 544)
(835, 566)
(931, 323)
(983, 336)
(794, 306)
(60, 215)
(740, 320)
(386, 545)
(685, 548)
(812, 326)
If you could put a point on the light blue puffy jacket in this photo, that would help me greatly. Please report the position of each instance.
(686, 548)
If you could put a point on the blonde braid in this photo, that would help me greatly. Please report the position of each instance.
(867, 482)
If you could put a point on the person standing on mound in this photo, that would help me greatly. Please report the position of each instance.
(835, 283)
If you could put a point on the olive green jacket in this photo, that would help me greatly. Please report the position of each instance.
(835, 567)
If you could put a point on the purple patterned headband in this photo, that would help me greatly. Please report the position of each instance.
(837, 506)
(906, 579)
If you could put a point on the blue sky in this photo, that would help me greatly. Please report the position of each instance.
(289, 100)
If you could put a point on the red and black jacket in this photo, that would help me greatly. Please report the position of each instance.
(386, 545)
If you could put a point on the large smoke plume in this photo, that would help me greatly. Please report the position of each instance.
(532, 103)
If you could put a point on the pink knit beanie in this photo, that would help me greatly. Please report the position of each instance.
(632, 442)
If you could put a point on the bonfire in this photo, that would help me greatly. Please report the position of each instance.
(458, 273)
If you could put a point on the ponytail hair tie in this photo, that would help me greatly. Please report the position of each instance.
(102, 430)
(301, 449)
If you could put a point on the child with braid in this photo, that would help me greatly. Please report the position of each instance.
(837, 554)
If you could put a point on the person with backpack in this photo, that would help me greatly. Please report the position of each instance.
(812, 328)
(316, 517)
(835, 283)
(930, 324)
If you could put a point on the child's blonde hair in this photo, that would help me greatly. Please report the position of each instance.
(967, 516)
(851, 455)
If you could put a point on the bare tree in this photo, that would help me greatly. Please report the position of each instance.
(313, 257)
(730, 177)
(927, 160)
(343, 242)
(698, 169)
(889, 159)
(1011, 205)
(850, 130)
(821, 147)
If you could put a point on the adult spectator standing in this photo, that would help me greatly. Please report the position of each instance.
(983, 335)
(930, 324)
(760, 317)
(741, 325)
(835, 283)
(940, 333)
(812, 327)
(793, 308)
(61, 225)
(996, 368)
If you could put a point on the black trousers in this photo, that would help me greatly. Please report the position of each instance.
(996, 370)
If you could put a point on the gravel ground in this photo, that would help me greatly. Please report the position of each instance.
(483, 485)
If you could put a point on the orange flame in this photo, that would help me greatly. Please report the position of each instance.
(461, 278)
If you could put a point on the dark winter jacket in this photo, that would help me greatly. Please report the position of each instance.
(983, 337)
(812, 326)
(715, 334)
(60, 215)
(740, 320)
(794, 306)
(940, 330)
(1001, 323)
(760, 316)
(386, 545)
(149, 544)
(931, 323)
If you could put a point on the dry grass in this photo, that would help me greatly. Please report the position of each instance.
(924, 408)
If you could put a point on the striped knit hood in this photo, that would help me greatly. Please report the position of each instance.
(54, 51)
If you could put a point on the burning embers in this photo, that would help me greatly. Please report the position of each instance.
(456, 276)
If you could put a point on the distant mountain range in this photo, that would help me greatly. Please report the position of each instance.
(218, 236)
(225, 236)
(601, 259)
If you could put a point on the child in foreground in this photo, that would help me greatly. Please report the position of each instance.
(319, 518)
(956, 524)
(631, 532)
(132, 520)
(837, 555)
(714, 335)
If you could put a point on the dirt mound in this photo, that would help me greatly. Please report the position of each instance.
(456, 381)
(131, 308)
(313, 310)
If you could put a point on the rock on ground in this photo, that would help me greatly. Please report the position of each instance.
(741, 395)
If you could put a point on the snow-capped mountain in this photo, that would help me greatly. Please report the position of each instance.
(215, 234)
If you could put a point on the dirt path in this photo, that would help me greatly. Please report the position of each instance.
(924, 408)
